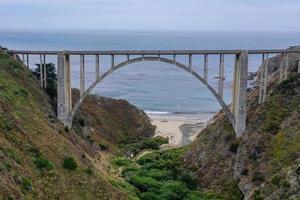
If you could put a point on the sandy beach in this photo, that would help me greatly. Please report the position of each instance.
(180, 129)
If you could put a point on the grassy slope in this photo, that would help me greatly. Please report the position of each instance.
(29, 131)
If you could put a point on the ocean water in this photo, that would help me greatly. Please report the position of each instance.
(156, 87)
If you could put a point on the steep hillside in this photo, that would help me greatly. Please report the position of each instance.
(265, 162)
(108, 122)
(40, 159)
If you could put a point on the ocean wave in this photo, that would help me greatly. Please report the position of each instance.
(157, 112)
(177, 113)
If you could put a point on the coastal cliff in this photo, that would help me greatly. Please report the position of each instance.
(41, 159)
(265, 162)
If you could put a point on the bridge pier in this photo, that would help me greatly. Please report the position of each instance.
(239, 107)
(265, 83)
(221, 76)
(82, 74)
(97, 68)
(205, 67)
(41, 72)
(45, 71)
(64, 93)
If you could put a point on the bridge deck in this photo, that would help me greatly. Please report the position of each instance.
(158, 52)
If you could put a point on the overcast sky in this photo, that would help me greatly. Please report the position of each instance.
(265, 15)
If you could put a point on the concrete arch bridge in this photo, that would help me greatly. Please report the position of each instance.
(236, 113)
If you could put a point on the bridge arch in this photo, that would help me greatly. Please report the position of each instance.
(153, 59)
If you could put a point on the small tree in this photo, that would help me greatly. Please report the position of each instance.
(70, 163)
(51, 88)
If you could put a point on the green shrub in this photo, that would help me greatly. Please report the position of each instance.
(121, 162)
(150, 196)
(144, 183)
(234, 192)
(154, 143)
(21, 92)
(285, 184)
(70, 163)
(172, 190)
(26, 184)
(188, 177)
(42, 163)
(157, 174)
(138, 145)
(89, 171)
(276, 180)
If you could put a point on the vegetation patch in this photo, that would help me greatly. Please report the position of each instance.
(135, 145)
(89, 171)
(160, 176)
(125, 186)
(274, 115)
(122, 162)
(276, 180)
(11, 153)
(26, 185)
(70, 163)
(42, 163)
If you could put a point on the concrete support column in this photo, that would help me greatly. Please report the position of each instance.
(281, 68)
(265, 78)
(261, 80)
(82, 75)
(45, 71)
(174, 57)
(97, 70)
(205, 67)
(240, 93)
(41, 72)
(64, 95)
(27, 60)
(234, 87)
(286, 66)
(112, 60)
(221, 76)
(190, 61)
